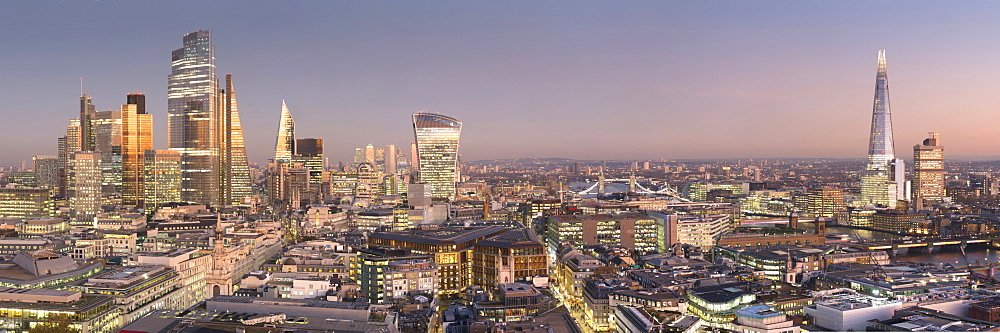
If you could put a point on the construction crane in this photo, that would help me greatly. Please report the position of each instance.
(878, 273)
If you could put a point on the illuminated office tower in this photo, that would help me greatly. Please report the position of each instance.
(46, 169)
(136, 139)
(380, 159)
(68, 144)
(390, 159)
(414, 163)
(87, 137)
(370, 154)
(162, 178)
(359, 156)
(437, 151)
(928, 170)
(309, 153)
(877, 185)
(192, 116)
(107, 129)
(284, 148)
(84, 189)
(234, 169)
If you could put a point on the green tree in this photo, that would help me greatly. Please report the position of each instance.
(57, 323)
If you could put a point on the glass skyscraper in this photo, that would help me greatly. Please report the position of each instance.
(284, 146)
(877, 185)
(234, 168)
(437, 151)
(192, 114)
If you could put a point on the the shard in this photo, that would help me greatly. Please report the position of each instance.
(877, 180)
(284, 148)
(234, 168)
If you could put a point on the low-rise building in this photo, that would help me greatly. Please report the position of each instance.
(763, 319)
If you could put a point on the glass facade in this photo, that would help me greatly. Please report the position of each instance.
(192, 118)
(877, 175)
(234, 167)
(437, 151)
(284, 147)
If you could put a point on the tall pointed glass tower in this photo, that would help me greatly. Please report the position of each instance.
(877, 185)
(234, 168)
(284, 148)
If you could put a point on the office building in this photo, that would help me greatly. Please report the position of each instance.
(697, 230)
(825, 202)
(437, 139)
(630, 230)
(451, 249)
(234, 169)
(515, 255)
(928, 170)
(136, 139)
(192, 116)
(84, 191)
(46, 169)
(162, 180)
(25, 203)
(309, 153)
(284, 146)
(877, 181)
(107, 131)
(763, 319)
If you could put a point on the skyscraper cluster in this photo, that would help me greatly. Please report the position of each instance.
(883, 180)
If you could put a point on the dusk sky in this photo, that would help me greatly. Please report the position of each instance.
(586, 80)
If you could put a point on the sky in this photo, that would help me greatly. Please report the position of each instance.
(571, 79)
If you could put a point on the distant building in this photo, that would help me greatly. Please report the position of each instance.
(928, 170)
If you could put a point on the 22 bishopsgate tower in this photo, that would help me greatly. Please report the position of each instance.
(203, 126)
(879, 184)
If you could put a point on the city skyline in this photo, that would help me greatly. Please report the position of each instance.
(609, 100)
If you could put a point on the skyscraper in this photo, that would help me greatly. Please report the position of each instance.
(162, 177)
(928, 170)
(877, 186)
(309, 153)
(86, 125)
(136, 139)
(139, 100)
(284, 148)
(234, 169)
(437, 151)
(192, 116)
(84, 186)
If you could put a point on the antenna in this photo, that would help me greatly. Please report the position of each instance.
(81, 86)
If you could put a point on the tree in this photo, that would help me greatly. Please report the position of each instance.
(57, 323)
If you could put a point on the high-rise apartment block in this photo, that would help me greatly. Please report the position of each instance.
(928, 170)
(437, 151)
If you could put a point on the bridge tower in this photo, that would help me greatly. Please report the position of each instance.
(633, 186)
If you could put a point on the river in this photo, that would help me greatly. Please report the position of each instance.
(981, 254)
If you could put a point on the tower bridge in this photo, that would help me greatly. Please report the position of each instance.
(633, 186)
